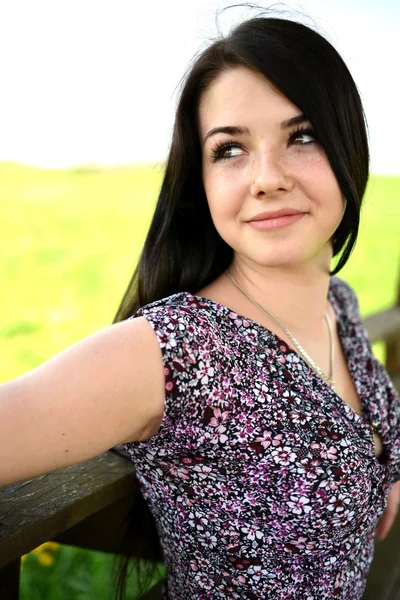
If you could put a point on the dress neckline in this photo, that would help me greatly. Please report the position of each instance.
(278, 341)
(271, 334)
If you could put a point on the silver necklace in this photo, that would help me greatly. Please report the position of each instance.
(327, 378)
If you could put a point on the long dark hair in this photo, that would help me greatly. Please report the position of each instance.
(183, 251)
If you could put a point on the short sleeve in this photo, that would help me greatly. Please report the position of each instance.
(387, 390)
(181, 333)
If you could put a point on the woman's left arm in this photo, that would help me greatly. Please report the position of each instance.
(387, 519)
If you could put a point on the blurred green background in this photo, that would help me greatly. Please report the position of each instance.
(70, 240)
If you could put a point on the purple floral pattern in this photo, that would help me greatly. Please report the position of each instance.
(263, 483)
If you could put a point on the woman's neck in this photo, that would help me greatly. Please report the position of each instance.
(296, 296)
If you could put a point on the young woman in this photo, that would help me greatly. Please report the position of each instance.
(264, 433)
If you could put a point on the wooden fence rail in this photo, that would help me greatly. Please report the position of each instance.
(86, 504)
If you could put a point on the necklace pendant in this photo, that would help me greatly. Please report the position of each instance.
(373, 425)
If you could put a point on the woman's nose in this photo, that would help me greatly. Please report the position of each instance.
(270, 175)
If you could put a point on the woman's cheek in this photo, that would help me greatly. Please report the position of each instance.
(225, 210)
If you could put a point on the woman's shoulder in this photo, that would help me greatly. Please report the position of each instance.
(182, 312)
(183, 303)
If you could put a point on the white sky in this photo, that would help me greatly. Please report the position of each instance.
(93, 81)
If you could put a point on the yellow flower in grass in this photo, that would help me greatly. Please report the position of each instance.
(44, 553)
(52, 546)
(45, 559)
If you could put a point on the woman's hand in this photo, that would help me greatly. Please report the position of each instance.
(387, 519)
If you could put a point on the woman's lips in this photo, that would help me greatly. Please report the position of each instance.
(276, 222)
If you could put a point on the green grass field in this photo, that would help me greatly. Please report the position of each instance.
(70, 240)
(54, 572)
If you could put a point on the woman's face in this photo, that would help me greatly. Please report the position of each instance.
(260, 156)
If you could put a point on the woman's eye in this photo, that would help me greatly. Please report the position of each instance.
(302, 138)
(226, 151)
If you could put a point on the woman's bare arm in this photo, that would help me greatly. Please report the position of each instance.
(106, 389)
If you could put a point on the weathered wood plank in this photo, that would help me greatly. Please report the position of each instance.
(102, 531)
(393, 347)
(35, 511)
(384, 325)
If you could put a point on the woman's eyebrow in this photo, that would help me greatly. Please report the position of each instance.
(229, 129)
(238, 130)
(293, 121)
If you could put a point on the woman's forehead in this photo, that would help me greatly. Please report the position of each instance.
(237, 96)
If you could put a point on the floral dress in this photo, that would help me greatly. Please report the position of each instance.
(264, 483)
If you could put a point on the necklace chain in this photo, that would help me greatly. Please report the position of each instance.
(328, 378)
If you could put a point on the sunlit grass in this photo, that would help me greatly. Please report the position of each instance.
(373, 269)
(69, 240)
